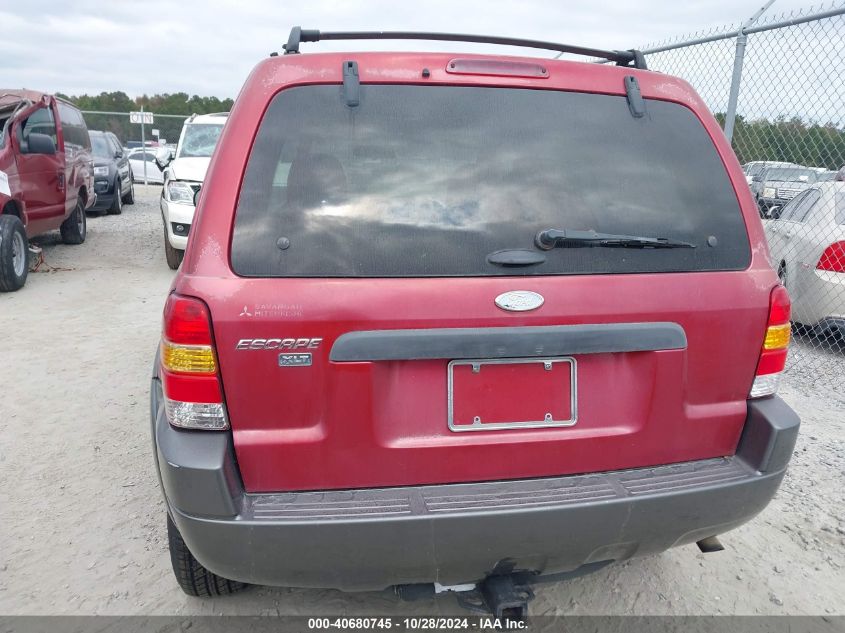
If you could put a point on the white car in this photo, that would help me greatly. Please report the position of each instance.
(807, 243)
(156, 160)
(183, 180)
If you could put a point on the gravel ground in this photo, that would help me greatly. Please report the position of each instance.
(82, 521)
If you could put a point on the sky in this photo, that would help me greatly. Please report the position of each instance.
(209, 47)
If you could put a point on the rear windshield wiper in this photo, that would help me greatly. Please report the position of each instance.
(567, 238)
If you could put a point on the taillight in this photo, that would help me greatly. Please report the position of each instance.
(192, 395)
(833, 258)
(775, 344)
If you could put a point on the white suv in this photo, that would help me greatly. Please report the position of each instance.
(183, 180)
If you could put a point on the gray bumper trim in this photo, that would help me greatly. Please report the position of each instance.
(370, 539)
(507, 342)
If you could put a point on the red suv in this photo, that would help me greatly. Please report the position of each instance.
(464, 320)
(46, 176)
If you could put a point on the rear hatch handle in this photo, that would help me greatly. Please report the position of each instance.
(507, 342)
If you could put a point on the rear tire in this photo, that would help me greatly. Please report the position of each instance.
(193, 578)
(116, 207)
(173, 255)
(14, 254)
(75, 228)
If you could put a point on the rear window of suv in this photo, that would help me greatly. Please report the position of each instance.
(421, 181)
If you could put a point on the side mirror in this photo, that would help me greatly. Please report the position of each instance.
(118, 153)
(40, 144)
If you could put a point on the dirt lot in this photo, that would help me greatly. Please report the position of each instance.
(82, 521)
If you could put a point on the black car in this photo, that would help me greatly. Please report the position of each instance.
(112, 174)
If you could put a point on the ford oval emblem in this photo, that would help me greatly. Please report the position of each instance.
(519, 300)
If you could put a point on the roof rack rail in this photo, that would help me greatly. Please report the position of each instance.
(622, 58)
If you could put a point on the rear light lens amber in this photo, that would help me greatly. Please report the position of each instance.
(775, 346)
(777, 337)
(191, 359)
(189, 376)
(833, 258)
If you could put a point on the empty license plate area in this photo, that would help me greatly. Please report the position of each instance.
(489, 395)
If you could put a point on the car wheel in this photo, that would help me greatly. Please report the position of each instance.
(129, 198)
(193, 578)
(173, 255)
(74, 228)
(14, 254)
(116, 207)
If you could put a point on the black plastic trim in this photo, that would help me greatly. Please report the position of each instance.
(507, 342)
(635, 99)
(769, 436)
(459, 533)
(196, 469)
(298, 35)
(351, 84)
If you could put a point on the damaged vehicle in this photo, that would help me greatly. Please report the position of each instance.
(46, 176)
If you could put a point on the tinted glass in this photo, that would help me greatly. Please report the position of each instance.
(802, 210)
(199, 139)
(787, 212)
(428, 181)
(115, 143)
(73, 127)
(101, 146)
(41, 122)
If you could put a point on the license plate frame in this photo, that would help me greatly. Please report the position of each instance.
(548, 421)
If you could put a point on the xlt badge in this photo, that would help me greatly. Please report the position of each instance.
(294, 360)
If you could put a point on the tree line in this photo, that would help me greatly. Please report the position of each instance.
(789, 140)
(783, 139)
(179, 103)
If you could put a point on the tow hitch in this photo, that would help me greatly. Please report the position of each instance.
(504, 595)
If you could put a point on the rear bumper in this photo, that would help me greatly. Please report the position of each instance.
(451, 534)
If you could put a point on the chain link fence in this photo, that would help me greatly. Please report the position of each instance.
(777, 84)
